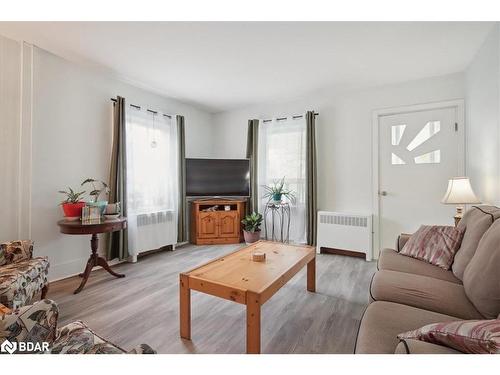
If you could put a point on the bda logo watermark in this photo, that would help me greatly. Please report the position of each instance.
(23, 347)
(8, 347)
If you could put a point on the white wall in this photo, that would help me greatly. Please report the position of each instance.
(72, 141)
(482, 79)
(15, 138)
(344, 133)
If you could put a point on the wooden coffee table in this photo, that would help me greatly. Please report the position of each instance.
(236, 277)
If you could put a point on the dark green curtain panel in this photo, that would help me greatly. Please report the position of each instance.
(311, 176)
(181, 219)
(118, 241)
(252, 154)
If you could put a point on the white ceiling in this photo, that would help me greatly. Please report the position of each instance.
(226, 65)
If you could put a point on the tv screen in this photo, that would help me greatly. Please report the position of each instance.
(217, 177)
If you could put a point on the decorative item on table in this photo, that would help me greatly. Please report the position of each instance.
(251, 227)
(96, 193)
(91, 215)
(258, 256)
(211, 209)
(460, 193)
(227, 207)
(113, 211)
(276, 191)
(72, 205)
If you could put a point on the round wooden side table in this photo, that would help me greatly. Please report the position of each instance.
(76, 227)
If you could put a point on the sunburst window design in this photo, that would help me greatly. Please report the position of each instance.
(432, 157)
(404, 155)
(429, 130)
(397, 132)
(396, 159)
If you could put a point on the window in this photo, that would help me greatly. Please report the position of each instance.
(282, 153)
(429, 130)
(151, 141)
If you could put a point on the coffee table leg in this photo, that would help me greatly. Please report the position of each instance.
(311, 275)
(253, 323)
(185, 307)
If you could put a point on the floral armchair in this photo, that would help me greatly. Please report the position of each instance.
(21, 275)
(37, 324)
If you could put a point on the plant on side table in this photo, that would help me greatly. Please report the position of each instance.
(251, 227)
(96, 193)
(72, 205)
(277, 191)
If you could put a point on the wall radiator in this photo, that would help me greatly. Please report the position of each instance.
(343, 231)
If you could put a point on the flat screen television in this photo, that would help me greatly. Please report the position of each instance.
(217, 177)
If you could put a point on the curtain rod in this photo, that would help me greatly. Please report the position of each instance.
(284, 118)
(139, 107)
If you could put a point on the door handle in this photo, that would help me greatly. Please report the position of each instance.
(383, 193)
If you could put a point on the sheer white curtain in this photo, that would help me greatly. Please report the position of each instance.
(151, 180)
(282, 153)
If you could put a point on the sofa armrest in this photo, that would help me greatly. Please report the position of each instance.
(35, 323)
(401, 241)
(142, 349)
(410, 346)
(15, 251)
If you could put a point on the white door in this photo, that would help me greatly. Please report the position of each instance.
(418, 152)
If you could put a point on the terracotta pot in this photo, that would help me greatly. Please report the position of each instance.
(251, 237)
(73, 210)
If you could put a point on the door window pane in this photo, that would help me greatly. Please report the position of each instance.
(433, 157)
(429, 130)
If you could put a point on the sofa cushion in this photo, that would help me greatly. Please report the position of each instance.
(35, 323)
(77, 338)
(21, 281)
(476, 222)
(410, 346)
(391, 260)
(15, 251)
(423, 292)
(482, 275)
(383, 321)
(466, 336)
(434, 244)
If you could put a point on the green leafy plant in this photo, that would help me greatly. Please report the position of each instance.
(71, 195)
(95, 193)
(277, 190)
(252, 222)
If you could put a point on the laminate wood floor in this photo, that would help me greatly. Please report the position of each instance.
(143, 307)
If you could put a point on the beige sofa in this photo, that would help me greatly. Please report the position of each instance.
(407, 293)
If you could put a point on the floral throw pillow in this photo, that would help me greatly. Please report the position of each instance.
(14, 251)
(434, 244)
(466, 336)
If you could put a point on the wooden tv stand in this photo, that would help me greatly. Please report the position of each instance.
(216, 226)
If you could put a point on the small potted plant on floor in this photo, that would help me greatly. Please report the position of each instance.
(72, 205)
(277, 191)
(251, 227)
(96, 193)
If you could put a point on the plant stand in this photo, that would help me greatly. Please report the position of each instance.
(279, 213)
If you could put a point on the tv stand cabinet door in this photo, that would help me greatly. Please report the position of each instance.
(229, 224)
(208, 224)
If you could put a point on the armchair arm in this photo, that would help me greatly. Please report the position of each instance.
(402, 240)
(15, 251)
(142, 349)
(410, 346)
(35, 323)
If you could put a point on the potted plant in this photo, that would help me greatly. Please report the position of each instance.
(251, 227)
(96, 193)
(277, 191)
(72, 205)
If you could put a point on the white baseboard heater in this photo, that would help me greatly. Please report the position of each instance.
(345, 233)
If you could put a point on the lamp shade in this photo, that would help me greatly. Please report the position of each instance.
(459, 192)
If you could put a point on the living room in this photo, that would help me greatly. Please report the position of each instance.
(340, 180)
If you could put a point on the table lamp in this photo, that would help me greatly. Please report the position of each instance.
(459, 192)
